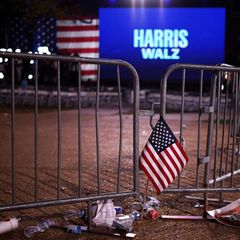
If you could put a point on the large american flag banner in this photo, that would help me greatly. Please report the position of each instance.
(80, 37)
(75, 37)
(162, 158)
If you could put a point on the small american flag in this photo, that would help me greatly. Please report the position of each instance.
(163, 157)
(80, 37)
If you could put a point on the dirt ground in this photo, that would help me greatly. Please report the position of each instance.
(48, 152)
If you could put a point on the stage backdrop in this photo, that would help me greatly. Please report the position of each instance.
(152, 39)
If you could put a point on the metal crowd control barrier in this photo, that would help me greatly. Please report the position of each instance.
(35, 187)
(214, 163)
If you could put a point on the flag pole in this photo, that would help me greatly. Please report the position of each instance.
(145, 197)
(146, 191)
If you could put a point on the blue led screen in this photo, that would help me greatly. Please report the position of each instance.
(152, 39)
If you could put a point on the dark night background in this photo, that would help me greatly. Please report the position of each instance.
(30, 10)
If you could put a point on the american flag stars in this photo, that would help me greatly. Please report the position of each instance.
(46, 33)
(162, 137)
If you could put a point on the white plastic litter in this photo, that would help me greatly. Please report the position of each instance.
(105, 213)
(8, 224)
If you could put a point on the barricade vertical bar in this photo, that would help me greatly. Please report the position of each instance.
(36, 130)
(238, 122)
(182, 106)
(229, 136)
(231, 129)
(217, 128)
(182, 113)
(59, 129)
(13, 134)
(208, 146)
(163, 92)
(79, 131)
(236, 150)
(136, 129)
(221, 171)
(199, 126)
(90, 215)
(121, 128)
(234, 129)
(237, 119)
(97, 130)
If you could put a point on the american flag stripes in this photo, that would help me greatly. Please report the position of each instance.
(80, 37)
(162, 158)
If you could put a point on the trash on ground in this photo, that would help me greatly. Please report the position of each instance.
(152, 214)
(228, 215)
(76, 229)
(71, 214)
(198, 205)
(136, 215)
(123, 222)
(110, 233)
(40, 227)
(8, 224)
(63, 188)
(149, 208)
(118, 209)
(153, 202)
(186, 217)
(127, 235)
(105, 214)
(137, 206)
